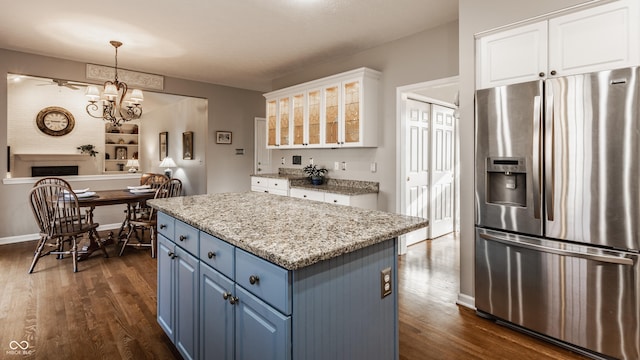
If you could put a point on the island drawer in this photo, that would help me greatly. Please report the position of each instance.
(307, 194)
(217, 254)
(165, 225)
(278, 184)
(337, 199)
(265, 280)
(186, 236)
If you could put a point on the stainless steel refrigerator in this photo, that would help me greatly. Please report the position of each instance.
(558, 210)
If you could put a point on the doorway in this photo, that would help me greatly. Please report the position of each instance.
(427, 157)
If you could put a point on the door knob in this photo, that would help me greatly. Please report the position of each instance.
(253, 279)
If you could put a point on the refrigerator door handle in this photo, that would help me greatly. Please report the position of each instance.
(549, 153)
(536, 151)
(597, 257)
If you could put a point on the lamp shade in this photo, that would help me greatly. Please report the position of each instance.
(132, 163)
(92, 93)
(136, 96)
(168, 163)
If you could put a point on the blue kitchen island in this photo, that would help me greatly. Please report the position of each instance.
(261, 276)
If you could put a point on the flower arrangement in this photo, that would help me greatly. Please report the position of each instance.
(315, 173)
(88, 149)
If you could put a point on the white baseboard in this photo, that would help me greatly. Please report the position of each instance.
(466, 301)
(31, 237)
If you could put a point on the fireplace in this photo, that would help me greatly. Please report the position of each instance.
(37, 171)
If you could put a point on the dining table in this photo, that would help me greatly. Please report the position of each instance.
(93, 199)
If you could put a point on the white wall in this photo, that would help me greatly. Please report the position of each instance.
(477, 16)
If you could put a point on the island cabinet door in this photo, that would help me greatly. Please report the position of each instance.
(186, 305)
(262, 332)
(217, 321)
(166, 290)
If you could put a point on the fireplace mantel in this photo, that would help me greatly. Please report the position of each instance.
(52, 157)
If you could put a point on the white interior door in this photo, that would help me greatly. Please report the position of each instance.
(262, 155)
(442, 171)
(417, 164)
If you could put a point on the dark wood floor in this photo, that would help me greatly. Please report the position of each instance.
(108, 309)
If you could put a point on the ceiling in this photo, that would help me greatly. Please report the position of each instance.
(240, 43)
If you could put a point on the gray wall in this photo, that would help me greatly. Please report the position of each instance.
(429, 55)
(477, 16)
(229, 109)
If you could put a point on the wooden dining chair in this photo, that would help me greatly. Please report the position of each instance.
(52, 180)
(154, 181)
(148, 220)
(60, 220)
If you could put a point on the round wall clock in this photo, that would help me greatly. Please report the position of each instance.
(55, 121)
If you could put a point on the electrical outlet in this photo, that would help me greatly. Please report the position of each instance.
(385, 282)
(344, 165)
(336, 166)
(282, 161)
(310, 161)
(374, 167)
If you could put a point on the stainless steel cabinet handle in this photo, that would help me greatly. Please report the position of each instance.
(253, 279)
(596, 257)
(211, 254)
(183, 238)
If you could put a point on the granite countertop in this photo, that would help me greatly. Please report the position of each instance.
(292, 233)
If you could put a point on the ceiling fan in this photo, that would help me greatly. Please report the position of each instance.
(65, 83)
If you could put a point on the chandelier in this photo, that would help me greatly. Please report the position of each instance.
(118, 104)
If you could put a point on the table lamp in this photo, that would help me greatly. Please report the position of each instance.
(168, 163)
(133, 165)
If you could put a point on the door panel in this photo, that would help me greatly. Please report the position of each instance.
(441, 197)
(262, 163)
(418, 114)
(592, 163)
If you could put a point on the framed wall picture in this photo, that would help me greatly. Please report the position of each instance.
(163, 145)
(223, 137)
(187, 145)
(121, 152)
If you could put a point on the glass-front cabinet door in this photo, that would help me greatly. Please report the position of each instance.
(271, 122)
(332, 115)
(298, 120)
(313, 117)
(284, 116)
(351, 112)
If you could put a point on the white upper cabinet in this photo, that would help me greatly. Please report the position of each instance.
(600, 38)
(336, 111)
(593, 39)
(511, 56)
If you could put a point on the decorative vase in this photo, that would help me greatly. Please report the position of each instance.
(317, 180)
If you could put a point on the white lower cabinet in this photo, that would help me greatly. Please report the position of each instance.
(365, 201)
(269, 185)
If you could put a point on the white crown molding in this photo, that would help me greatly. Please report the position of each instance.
(132, 78)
